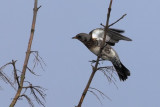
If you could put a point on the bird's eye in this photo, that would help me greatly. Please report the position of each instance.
(79, 37)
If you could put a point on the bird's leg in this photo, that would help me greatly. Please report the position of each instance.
(104, 45)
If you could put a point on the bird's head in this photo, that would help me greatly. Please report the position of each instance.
(83, 37)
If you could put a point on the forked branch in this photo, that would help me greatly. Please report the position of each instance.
(22, 77)
(115, 21)
(3, 75)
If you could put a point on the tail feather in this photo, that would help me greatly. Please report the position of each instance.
(122, 71)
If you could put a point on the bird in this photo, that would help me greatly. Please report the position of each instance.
(93, 42)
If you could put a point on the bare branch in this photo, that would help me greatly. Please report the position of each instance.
(34, 90)
(16, 77)
(28, 99)
(101, 93)
(40, 92)
(96, 96)
(38, 60)
(17, 95)
(117, 20)
(97, 61)
(5, 66)
(39, 7)
(4, 77)
(110, 70)
(102, 25)
(32, 71)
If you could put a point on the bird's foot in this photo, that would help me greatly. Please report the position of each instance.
(93, 61)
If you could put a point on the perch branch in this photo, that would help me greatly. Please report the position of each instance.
(97, 61)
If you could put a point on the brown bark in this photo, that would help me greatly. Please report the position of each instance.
(18, 93)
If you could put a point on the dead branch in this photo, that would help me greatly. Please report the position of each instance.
(101, 93)
(5, 66)
(34, 91)
(32, 71)
(108, 73)
(22, 77)
(96, 65)
(115, 21)
(4, 77)
(16, 77)
(95, 95)
(37, 60)
(39, 90)
(28, 99)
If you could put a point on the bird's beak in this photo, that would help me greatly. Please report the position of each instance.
(74, 37)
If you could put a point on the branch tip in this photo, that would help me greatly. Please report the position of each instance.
(39, 7)
(117, 20)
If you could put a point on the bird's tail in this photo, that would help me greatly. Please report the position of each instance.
(122, 71)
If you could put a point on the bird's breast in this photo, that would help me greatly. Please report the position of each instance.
(95, 50)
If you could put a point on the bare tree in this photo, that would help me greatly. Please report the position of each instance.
(19, 76)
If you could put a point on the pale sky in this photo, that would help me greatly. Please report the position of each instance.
(68, 67)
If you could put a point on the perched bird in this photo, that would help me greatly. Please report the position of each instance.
(93, 42)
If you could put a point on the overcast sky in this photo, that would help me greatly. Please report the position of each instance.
(67, 67)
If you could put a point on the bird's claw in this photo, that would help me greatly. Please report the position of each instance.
(93, 61)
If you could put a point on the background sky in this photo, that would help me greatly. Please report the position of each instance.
(67, 67)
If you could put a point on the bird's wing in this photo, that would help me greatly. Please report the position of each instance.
(117, 30)
(113, 35)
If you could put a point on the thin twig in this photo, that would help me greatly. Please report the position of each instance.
(97, 61)
(38, 60)
(27, 55)
(95, 95)
(101, 93)
(39, 7)
(39, 90)
(28, 99)
(117, 20)
(102, 25)
(109, 77)
(15, 72)
(4, 77)
(32, 71)
(34, 90)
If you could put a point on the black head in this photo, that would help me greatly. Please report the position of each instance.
(83, 37)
